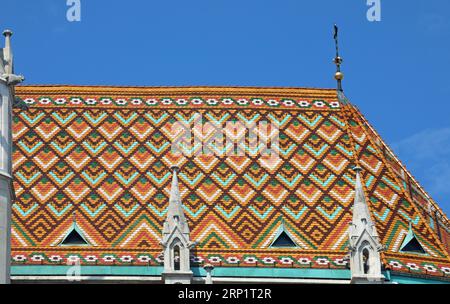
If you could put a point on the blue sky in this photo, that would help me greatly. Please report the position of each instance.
(397, 70)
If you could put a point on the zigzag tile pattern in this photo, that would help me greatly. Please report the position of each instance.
(110, 163)
(392, 208)
(429, 210)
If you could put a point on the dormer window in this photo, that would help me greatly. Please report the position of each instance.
(283, 239)
(411, 244)
(74, 236)
(74, 239)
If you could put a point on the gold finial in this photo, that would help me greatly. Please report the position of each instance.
(339, 76)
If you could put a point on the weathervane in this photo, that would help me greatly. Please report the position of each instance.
(338, 61)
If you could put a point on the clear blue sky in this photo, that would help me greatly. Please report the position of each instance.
(397, 70)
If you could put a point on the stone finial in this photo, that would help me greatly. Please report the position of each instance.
(7, 60)
(7, 33)
(7, 52)
(360, 209)
(175, 213)
(174, 190)
(208, 268)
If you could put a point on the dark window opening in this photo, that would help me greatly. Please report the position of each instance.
(413, 246)
(365, 256)
(283, 240)
(176, 258)
(74, 239)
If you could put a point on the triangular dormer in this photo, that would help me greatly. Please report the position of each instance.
(74, 236)
(283, 239)
(411, 244)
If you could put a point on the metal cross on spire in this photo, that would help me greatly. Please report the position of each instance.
(335, 36)
(338, 60)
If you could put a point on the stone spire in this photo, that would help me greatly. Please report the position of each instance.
(361, 211)
(176, 239)
(7, 82)
(364, 243)
(175, 213)
(6, 63)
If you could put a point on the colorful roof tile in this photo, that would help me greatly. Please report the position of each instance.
(105, 153)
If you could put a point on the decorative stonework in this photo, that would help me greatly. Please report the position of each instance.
(364, 242)
(176, 240)
(7, 82)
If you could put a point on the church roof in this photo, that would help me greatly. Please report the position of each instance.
(105, 153)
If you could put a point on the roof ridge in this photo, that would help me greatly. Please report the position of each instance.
(403, 166)
(357, 115)
(172, 87)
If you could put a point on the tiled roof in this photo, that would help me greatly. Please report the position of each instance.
(105, 153)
